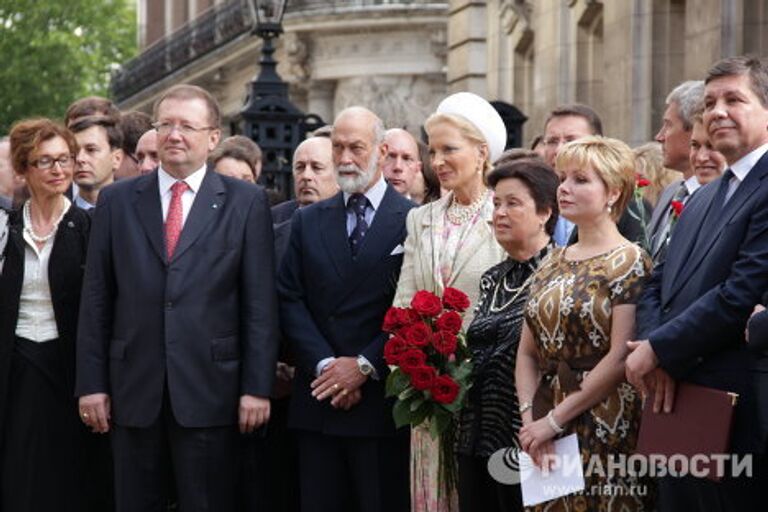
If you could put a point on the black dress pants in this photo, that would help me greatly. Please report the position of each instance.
(203, 463)
(359, 474)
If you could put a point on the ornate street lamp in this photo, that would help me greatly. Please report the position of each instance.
(269, 117)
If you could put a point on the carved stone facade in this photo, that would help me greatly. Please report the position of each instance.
(400, 57)
(385, 54)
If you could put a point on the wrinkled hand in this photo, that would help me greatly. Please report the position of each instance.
(347, 400)
(253, 413)
(341, 374)
(95, 411)
(641, 362)
(535, 435)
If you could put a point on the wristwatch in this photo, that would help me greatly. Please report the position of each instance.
(364, 366)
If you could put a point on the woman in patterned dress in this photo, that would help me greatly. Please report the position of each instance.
(524, 217)
(450, 244)
(570, 364)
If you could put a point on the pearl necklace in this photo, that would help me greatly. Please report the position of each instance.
(30, 230)
(458, 213)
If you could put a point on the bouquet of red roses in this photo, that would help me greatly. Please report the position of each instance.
(429, 363)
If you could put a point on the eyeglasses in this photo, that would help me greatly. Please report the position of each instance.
(46, 162)
(553, 141)
(184, 129)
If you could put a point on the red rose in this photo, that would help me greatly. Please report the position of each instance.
(449, 321)
(391, 320)
(422, 377)
(418, 334)
(412, 358)
(455, 299)
(642, 182)
(393, 348)
(407, 316)
(444, 389)
(677, 208)
(444, 342)
(426, 303)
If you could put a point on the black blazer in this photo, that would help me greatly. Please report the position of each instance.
(203, 323)
(334, 305)
(695, 307)
(65, 275)
(283, 211)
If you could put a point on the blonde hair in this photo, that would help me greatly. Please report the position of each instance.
(649, 163)
(467, 130)
(612, 161)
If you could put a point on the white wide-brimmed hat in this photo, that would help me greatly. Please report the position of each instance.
(482, 115)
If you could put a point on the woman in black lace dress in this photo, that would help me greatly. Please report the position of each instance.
(525, 212)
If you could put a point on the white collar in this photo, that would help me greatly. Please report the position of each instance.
(692, 184)
(375, 194)
(743, 165)
(194, 180)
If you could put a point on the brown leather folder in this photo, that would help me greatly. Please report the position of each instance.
(699, 424)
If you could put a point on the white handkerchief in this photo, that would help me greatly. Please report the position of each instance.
(397, 250)
(567, 477)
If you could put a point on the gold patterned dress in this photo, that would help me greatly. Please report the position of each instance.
(569, 312)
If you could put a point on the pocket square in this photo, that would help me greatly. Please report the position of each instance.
(397, 250)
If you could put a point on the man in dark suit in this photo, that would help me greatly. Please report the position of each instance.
(692, 314)
(675, 139)
(177, 342)
(336, 282)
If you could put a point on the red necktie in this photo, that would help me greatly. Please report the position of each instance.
(175, 218)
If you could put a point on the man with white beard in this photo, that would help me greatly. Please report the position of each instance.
(336, 283)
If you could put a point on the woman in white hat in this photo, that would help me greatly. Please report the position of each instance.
(451, 244)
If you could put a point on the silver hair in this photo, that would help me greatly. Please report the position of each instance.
(688, 97)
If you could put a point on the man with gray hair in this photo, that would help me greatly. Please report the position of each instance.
(675, 138)
(336, 283)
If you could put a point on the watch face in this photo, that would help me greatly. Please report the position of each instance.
(365, 368)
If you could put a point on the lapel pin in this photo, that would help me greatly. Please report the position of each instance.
(214, 206)
(71, 224)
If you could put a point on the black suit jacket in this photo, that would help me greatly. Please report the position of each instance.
(334, 305)
(65, 276)
(283, 211)
(203, 323)
(695, 306)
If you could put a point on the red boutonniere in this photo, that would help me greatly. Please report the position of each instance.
(677, 208)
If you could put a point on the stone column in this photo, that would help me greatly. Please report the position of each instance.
(467, 28)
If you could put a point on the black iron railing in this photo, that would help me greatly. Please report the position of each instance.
(214, 28)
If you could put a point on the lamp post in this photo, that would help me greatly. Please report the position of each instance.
(268, 116)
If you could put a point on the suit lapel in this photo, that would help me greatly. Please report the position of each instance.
(662, 206)
(150, 212)
(333, 227)
(209, 202)
(713, 223)
(382, 236)
(431, 229)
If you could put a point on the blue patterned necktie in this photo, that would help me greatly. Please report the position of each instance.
(357, 203)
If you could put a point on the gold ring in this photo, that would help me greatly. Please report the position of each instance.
(84, 415)
(343, 392)
(335, 386)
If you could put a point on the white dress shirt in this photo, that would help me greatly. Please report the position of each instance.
(166, 181)
(692, 184)
(742, 167)
(82, 203)
(375, 194)
(37, 321)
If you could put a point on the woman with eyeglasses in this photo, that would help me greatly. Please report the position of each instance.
(44, 447)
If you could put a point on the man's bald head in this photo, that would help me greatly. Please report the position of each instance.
(313, 176)
(401, 161)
